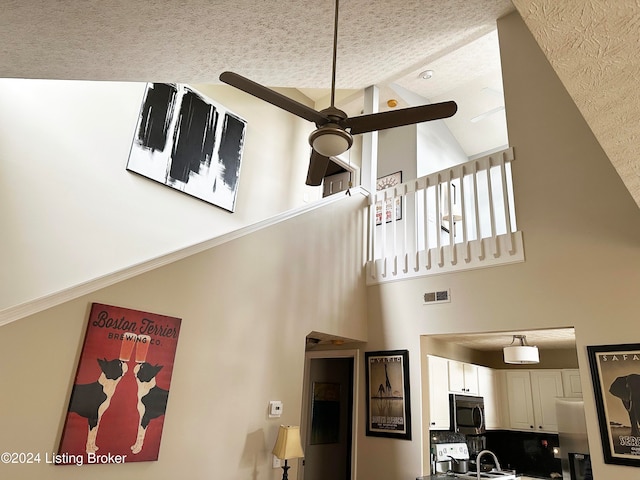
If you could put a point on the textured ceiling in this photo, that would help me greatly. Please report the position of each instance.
(557, 338)
(278, 44)
(592, 45)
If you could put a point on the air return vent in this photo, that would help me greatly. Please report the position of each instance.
(440, 296)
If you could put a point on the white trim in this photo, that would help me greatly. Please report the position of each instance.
(31, 307)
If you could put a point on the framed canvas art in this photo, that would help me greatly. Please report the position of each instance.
(188, 142)
(119, 396)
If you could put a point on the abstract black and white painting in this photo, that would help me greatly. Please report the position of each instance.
(188, 142)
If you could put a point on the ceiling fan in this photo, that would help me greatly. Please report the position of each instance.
(335, 128)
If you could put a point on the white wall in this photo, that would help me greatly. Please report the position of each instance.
(69, 210)
(581, 229)
(437, 148)
(246, 307)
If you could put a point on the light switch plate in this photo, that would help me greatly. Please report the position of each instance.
(275, 408)
(277, 463)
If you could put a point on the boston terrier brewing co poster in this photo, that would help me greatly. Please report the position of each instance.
(119, 396)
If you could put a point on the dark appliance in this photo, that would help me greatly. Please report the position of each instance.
(580, 466)
(467, 414)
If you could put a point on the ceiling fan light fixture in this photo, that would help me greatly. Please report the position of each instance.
(521, 354)
(330, 140)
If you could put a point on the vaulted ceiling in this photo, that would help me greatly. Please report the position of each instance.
(592, 45)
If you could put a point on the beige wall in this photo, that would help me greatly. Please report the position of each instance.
(246, 308)
(70, 212)
(581, 230)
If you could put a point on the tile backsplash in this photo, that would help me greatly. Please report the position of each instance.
(527, 452)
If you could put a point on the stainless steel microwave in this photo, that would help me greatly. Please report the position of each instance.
(467, 414)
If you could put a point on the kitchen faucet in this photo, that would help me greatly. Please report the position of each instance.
(480, 456)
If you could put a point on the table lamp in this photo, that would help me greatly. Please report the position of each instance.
(288, 446)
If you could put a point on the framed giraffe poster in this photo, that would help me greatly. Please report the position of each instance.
(119, 396)
(387, 398)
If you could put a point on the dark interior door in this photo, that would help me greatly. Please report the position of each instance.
(329, 433)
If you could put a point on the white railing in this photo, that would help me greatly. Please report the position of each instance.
(459, 218)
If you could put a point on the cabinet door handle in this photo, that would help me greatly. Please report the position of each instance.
(531, 426)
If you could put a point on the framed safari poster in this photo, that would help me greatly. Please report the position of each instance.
(388, 400)
(119, 396)
(615, 372)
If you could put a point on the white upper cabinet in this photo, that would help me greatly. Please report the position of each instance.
(463, 378)
(514, 399)
(520, 401)
(488, 388)
(532, 399)
(439, 417)
(546, 386)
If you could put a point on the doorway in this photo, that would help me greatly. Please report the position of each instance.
(328, 417)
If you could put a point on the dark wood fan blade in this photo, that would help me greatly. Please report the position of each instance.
(399, 118)
(272, 97)
(317, 168)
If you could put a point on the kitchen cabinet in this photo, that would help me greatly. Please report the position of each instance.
(532, 399)
(488, 388)
(546, 386)
(571, 385)
(439, 418)
(519, 400)
(463, 378)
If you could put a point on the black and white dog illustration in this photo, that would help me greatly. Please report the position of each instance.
(91, 400)
(152, 400)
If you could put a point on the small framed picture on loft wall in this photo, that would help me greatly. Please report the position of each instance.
(387, 394)
(615, 373)
(386, 210)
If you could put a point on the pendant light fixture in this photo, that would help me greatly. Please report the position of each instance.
(518, 352)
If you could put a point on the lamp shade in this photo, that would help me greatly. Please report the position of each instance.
(288, 443)
(521, 355)
(330, 140)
